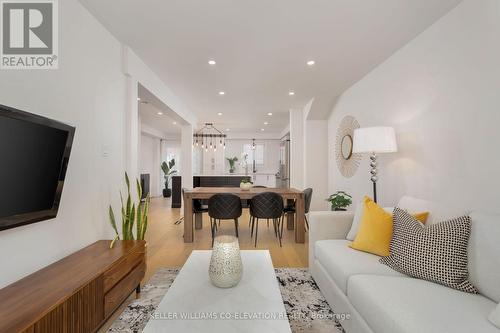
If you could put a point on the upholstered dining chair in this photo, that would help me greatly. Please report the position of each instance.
(290, 208)
(224, 206)
(266, 205)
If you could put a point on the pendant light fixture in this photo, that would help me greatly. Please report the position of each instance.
(208, 135)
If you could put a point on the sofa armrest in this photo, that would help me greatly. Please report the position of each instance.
(328, 225)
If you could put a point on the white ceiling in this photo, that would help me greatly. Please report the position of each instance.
(261, 48)
(168, 123)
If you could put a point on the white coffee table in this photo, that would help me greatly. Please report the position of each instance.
(193, 304)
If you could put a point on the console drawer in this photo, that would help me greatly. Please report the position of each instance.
(121, 268)
(123, 289)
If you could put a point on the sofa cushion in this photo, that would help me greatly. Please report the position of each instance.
(436, 253)
(358, 215)
(341, 262)
(437, 212)
(392, 304)
(484, 254)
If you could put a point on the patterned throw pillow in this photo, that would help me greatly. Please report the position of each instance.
(437, 253)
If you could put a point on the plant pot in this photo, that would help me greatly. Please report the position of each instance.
(339, 209)
(167, 193)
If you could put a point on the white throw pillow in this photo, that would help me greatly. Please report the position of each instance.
(356, 222)
(495, 316)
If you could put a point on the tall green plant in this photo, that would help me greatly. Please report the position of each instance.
(168, 170)
(232, 161)
(132, 214)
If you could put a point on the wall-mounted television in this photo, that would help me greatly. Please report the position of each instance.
(34, 155)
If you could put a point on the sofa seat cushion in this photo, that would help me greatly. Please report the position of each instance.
(391, 304)
(341, 262)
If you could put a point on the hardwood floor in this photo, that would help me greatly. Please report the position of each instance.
(166, 247)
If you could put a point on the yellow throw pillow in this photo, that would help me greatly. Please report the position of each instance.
(375, 232)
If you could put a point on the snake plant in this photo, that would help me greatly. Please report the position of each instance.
(133, 214)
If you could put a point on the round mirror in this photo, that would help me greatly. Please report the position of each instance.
(346, 147)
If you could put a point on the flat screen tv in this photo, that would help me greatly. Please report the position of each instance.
(34, 155)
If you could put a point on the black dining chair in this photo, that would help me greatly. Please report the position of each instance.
(290, 208)
(198, 207)
(224, 206)
(248, 204)
(267, 205)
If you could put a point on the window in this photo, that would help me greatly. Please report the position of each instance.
(257, 154)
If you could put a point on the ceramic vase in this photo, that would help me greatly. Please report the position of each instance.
(226, 268)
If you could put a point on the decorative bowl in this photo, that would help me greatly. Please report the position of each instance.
(246, 186)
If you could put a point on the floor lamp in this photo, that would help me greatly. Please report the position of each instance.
(374, 140)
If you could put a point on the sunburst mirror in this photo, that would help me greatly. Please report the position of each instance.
(347, 162)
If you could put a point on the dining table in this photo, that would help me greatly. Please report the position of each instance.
(206, 192)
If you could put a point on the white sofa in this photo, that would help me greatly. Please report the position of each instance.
(381, 300)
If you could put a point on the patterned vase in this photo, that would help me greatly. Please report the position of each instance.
(226, 267)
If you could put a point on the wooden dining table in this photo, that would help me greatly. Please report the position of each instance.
(206, 192)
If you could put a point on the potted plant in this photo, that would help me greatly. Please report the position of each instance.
(168, 171)
(232, 163)
(339, 201)
(133, 214)
(246, 184)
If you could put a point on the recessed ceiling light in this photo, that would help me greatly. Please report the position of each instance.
(160, 113)
(266, 123)
(175, 123)
(138, 98)
(222, 93)
(219, 114)
(291, 93)
(262, 129)
(211, 62)
(227, 130)
(269, 113)
(310, 62)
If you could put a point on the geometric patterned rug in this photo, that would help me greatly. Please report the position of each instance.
(306, 307)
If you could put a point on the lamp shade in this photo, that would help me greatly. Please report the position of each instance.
(374, 140)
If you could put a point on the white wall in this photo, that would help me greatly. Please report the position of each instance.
(87, 91)
(149, 162)
(442, 94)
(297, 141)
(316, 162)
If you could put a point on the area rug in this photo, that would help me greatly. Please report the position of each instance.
(306, 307)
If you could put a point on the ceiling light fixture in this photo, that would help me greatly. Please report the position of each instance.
(269, 113)
(222, 93)
(219, 114)
(160, 113)
(262, 129)
(138, 98)
(211, 62)
(175, 123)
(291, 93)
(311, 63)
(266, 123)
(208, 136)
(227, 129)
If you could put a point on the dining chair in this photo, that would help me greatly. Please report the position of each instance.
(248, 204)
(291, 209)
(267, 205)
(224, 206)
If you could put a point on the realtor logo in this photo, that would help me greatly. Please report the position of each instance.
(29, 34)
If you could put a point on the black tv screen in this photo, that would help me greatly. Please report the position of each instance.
(34, 155)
